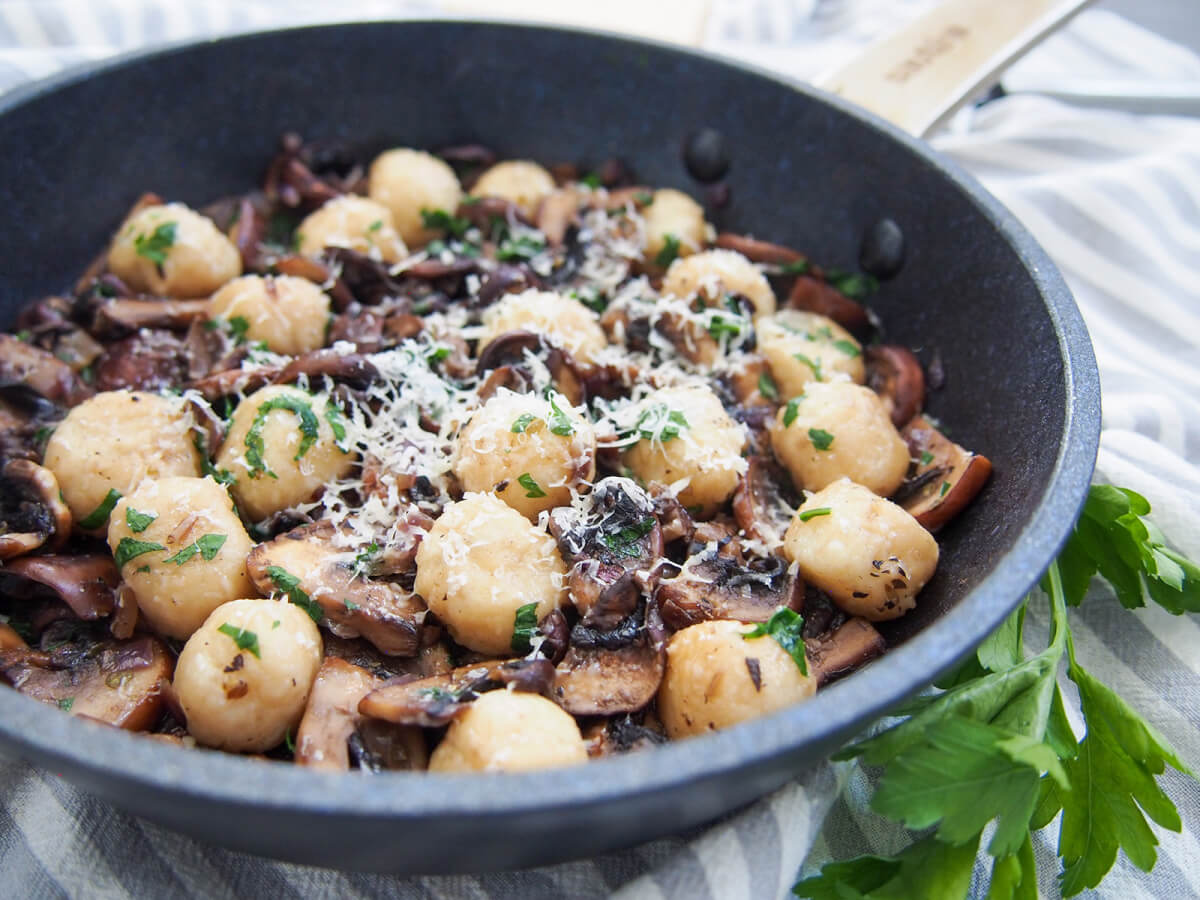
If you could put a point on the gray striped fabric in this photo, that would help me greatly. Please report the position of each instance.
(1115, 199)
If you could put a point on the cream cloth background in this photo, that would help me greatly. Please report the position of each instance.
(1114, 198)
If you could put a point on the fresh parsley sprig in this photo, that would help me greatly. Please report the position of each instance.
(995, 746)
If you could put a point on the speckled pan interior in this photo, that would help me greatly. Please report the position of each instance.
(198, 121)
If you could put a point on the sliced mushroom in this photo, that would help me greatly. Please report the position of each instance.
(117, 682)
(817, 295)
(609, 672)
(765, 501)
(509, 350)
(377, 746)
(623, 734)
(86, 583)
(845, 649)
(150, 360)
(123, 315)
(434, 701)
(350, 368)
(10, 639)
(758, 251)
(325, 275)
(558, 212)
(895, 374)
(384, 613)
(32, 512)
(331, 720)
(616, 534)
(22, 363)
(714, 585)
(483, 211)
(227, 382)
(369, 281)
(946, 479)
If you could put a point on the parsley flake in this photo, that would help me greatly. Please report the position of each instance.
(138, 521)
(532, 489)
(98, 516)
(66, 703)
(669, 252)
(130, 548)
(926, 457)
(815, 365)
(786, 628)
(944, 489)
(245, 640)
(795, 267)
(440, 220)
(821, 439)
(560, 424)
(154, 246)
(848, 347)
(806, 514)
(289, 585)
(522, 248)
(792, 410)
(522, 422)
(625, 541)
(254, 439)
(208, 546)
(525, 624)
(767, 387)
(659, 422)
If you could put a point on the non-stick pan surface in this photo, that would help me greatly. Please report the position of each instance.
(196, 122)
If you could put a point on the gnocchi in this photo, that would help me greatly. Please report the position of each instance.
(173, 251)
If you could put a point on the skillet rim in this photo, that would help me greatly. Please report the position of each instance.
(53, 741)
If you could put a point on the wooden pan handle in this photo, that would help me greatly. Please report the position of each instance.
(918, 76)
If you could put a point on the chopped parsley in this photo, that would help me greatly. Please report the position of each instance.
(364, 560)
(238, 326)
(591, 297)
(643, 198)
(806, 514)
(220, 476)
(926, 457)
(560, 424)
(815, 365)
(437, 354)
(660, 422)
(351, 606)
(592, 180)
(848, 347)
(786, 627)
(245, 640)
(254, 440)
(522, 248)
(533, 490)
(66, 703)
(793, 410)
(854, 285)
(376, 225)
(289, 585)
(719, 327)
(522, 422)
(767, 387)
(795, 267)
(525, 624)
(130, 548)
(439, 219)
(333, 416)
(945, 488)
(669, 251)
(138, 521)
(625, 541)
(99, 515)
(142, 570)
(821, 439)
(208, 546)
(154, 246)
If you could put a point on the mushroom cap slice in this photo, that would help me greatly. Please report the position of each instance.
(840, 651)
(762, 502)
(87, 583)
(895, 374)
(22, 363)
(118, 682)
(32, 511)
(609, 672)
(947, 476)
(384, 613)
(715, 584)
(436, 700)
(332, 720)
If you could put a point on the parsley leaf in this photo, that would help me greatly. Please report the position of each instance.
(245, 640)
(820, 438)
(719, 327)
(525, 623)
(309, 428)
(440, 220)
(661, 423)
(533, 490)
(669, 251)
(289, 585)
(521, 248)
(208, 546)
(786, 627)
(560, 422)
(815, 365)
(854, 285)
(848, 347)
(806, 514)
(792, 410)
(795, 267)
(522, 422)
(154, 246)
(138, 521)
(928, 869)
(98, 516)
(66, 703)
(625, 541)
(767, 387)
(130, 548)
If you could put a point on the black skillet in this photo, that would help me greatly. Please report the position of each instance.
(197, 122)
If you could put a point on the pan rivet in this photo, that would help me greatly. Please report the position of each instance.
(882, 250)
(706, 155)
